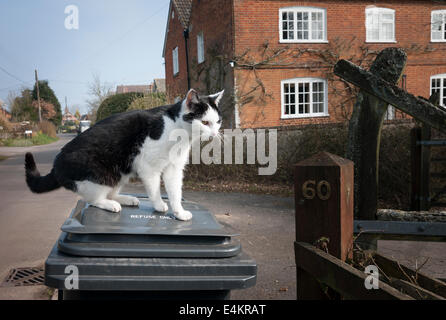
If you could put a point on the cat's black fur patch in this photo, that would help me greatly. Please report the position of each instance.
(106, 151)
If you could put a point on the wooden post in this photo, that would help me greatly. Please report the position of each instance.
(365, 132)
(324, 212)
(38, 95)
(420, 163)
(420, 168)
(415, 154)
(426, 134)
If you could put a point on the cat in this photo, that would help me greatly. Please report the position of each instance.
(99, 161)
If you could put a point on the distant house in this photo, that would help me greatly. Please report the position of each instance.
(275, 58)
(134, 88)
(68, 117)
(159, 85)
(5, 113)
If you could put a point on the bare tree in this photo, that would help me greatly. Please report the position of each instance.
(12, 95)
(98, 91)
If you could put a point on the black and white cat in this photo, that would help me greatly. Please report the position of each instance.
(98, 162)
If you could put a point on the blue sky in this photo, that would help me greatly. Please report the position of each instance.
(120, 40)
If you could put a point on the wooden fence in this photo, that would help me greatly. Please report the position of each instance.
(324, 242)
(330, 191)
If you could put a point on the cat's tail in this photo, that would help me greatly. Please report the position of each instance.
(35, 182)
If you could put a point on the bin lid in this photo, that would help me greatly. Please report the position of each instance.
(143, 232)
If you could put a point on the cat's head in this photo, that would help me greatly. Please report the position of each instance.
(204, 112)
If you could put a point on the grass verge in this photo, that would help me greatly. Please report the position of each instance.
(39, 139)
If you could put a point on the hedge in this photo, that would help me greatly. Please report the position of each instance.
(115, 104)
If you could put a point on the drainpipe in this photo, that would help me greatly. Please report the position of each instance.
(186, 42)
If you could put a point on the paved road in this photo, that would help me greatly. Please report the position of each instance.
(29, 223)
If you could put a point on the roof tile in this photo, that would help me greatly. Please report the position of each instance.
(183, 7)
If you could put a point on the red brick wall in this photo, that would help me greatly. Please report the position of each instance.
(176, 85)
(214, 19)
(257, 22)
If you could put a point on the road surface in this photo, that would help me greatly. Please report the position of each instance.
(29, 223)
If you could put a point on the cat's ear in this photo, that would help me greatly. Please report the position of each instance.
(191, 99)
(217, 97)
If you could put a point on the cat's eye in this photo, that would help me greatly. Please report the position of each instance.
(206, 123)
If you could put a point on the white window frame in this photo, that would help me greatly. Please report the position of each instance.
(175, 62)
(443, 26)
(311, 114)
(442, 78)
(379, 11)
(200, 47)
(308, 10)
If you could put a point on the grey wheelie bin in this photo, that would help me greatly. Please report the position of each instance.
(142, 254)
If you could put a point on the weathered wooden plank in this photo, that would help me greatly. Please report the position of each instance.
(392, 269)
(341, 276)
(426, 134)
(413, 290)
(365, 133)
(415, 168)
(420, 109)
(402, 230)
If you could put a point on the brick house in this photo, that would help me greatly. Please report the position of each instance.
(5, 113)
(68, 117)
(274, 58)
(134, 88)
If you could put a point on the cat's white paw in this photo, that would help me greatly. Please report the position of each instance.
(161, 207)
(183, 215)
(127, 200)
(109, 205)
(115, 206)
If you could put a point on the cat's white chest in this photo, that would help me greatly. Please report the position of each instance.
(156, 155)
